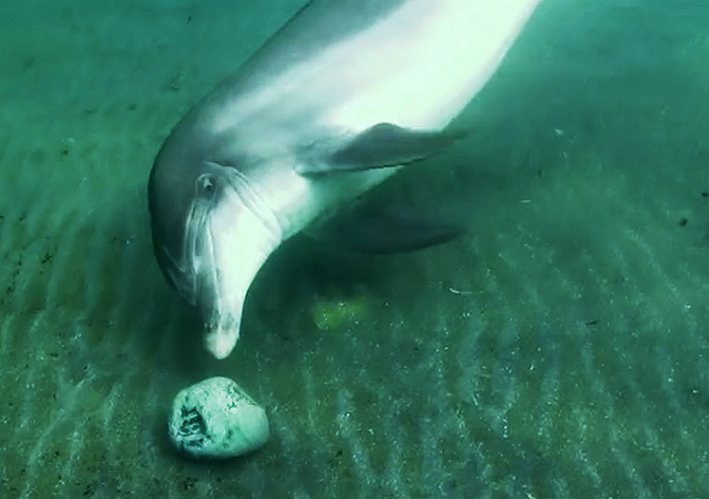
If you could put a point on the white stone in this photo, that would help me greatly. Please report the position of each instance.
(216, 419)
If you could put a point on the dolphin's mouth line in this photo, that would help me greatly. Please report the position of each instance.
(192, 257)
(213, 276)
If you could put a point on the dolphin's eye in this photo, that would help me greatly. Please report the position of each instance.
(206, 185)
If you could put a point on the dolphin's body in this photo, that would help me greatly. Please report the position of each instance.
(340, 98)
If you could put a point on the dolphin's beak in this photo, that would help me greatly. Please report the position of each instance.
(221, 337)
(236, 237)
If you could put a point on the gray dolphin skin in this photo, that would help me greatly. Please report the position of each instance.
(343, 96)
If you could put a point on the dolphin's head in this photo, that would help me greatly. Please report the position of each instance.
(212, 230)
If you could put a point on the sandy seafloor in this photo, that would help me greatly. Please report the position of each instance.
(558, 350)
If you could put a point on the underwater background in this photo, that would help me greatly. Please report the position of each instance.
(558, 350)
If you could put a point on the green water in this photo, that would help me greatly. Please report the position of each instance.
(558, 350)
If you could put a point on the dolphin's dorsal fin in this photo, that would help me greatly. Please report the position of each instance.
(383, 145)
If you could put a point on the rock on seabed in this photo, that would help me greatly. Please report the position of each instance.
(216, 419)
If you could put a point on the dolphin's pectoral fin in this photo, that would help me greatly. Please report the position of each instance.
(381, 146)
(366, 230)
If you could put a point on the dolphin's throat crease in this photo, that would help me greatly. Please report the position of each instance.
(343, 96)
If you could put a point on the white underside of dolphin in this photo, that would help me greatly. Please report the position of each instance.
(295, 117)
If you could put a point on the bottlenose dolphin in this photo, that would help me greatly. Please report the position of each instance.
(341, 97)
